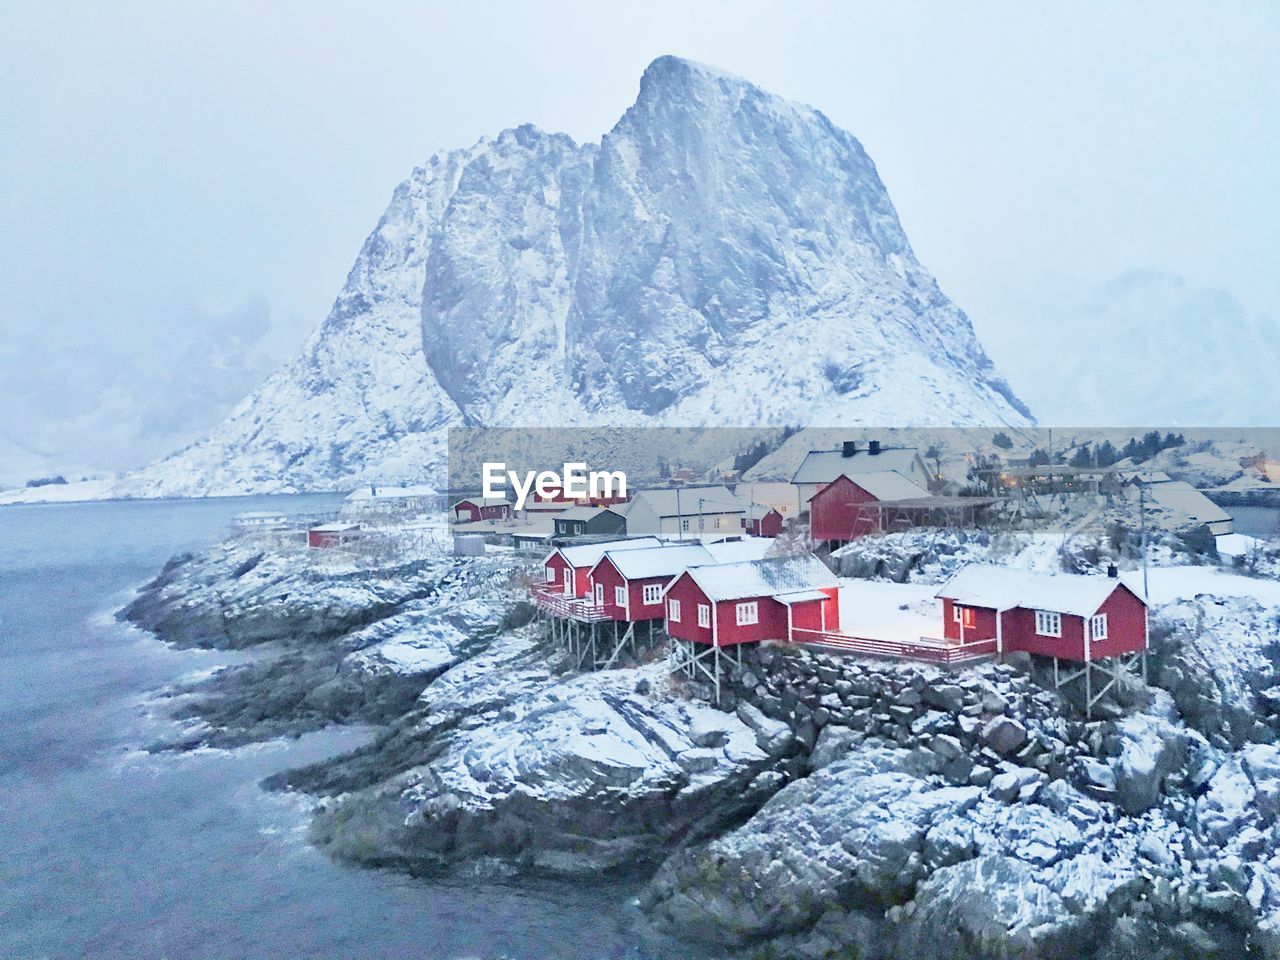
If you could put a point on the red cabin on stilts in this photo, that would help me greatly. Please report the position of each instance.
(718, 607)
(1099, 622)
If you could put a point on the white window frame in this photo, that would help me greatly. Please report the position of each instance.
(958, 610)
(704, 615)
(673, 610)
(652, 594)
(551, 574)
(1098, 626)
(599, 594)
(747, 613)
(619, 596)
(1048, 623)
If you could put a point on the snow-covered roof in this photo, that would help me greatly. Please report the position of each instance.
(377, 491)
(1182, 497)
(587, 554)
(735, 551)
(823, 466)
(758, 511)
(887, 485)
(684, 501)
(662, 561)
(483, 501)
(773, 577)
(335, 527)
(580, 513)
(1003, 588)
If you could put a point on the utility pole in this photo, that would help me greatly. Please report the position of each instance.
(1142, 509)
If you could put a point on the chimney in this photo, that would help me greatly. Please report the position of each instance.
(873, 448)
(849, 449)
(1113, 571)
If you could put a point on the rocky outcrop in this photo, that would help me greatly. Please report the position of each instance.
(357, 645)
(587, 773)
(1220, 659)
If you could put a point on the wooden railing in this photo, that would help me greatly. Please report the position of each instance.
(558, 604)
(927, 648)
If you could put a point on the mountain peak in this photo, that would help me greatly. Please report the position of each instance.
(722, 257)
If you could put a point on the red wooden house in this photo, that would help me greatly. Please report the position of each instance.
(629, 584)
(762, 521)
(1063, 616)
(474, 509)
(842, 510)
(567, 569)
(727, 604)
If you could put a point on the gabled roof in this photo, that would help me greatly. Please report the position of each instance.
(1002, 588)
(336, 527)
(662, 561)
(587, 554)
(735, 551)
(774, 577)
(823, 466)
(758, 511)
(1181, 497)
(884, 485)
(684, 501)
(582, 513)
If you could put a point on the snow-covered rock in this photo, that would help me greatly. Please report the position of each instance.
(598, 771)
(721, 257)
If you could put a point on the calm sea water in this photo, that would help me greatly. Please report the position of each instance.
(1255, 521)
(108, 852)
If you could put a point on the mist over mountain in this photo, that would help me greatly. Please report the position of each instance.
(1147, 347)
(721, 257)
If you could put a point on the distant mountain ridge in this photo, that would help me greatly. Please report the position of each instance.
(721, 257)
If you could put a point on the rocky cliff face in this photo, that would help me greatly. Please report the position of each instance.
(722, 257)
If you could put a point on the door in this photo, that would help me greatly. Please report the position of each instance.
(568, 581)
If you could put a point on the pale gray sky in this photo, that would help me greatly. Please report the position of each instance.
(165, 165)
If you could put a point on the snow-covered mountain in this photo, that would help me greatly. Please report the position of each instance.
(721, 257)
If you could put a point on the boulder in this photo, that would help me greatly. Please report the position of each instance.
(1004, 735)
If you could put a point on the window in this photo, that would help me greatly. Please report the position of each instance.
(684, 525)
(963, 616)
(718, 520)
(652, 593)
(551, 574)
(673, 611)
(1098, 626)
(620, 596)
(599, 594)
(747, 613)
(704, 615)
(1048, 624)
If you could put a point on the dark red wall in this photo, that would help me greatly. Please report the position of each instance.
(690, 595)
(770, 525)
(1126, 624)
(833, 512)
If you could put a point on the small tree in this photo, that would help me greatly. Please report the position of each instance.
(1083, 457)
